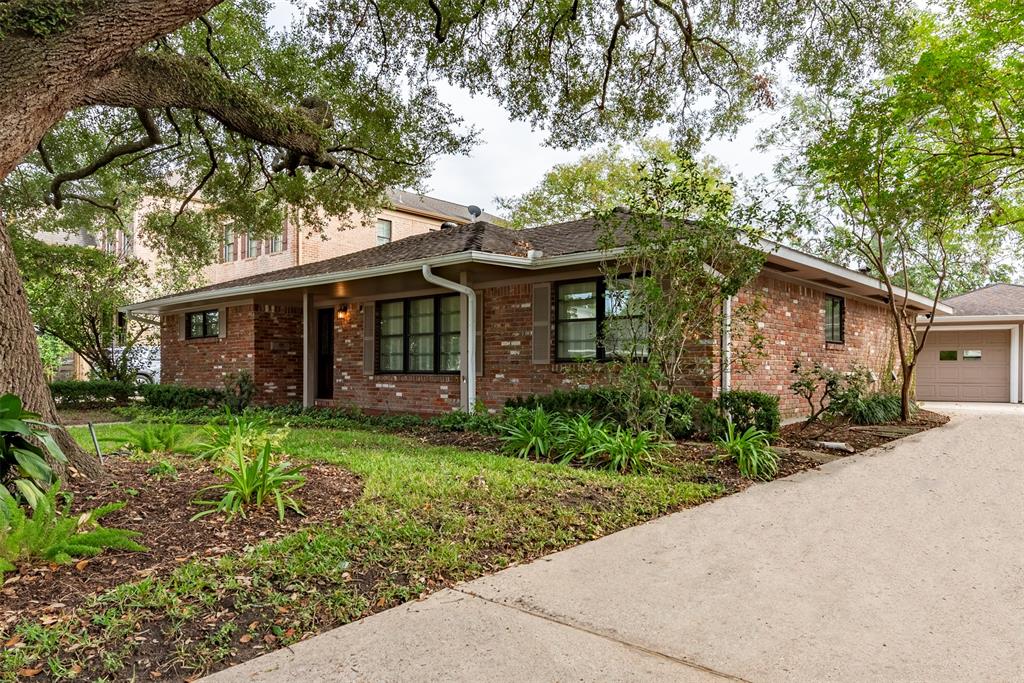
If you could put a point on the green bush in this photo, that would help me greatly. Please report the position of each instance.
(611, 405)
(624, 452)
(94, 393)
(248, 433)
(874, 409)
(578, 439)
(681, 421)
(253, 482)
(752, 409)
(148, 439)
(751, 451)
(52, 534)
(462, 421)
(530, 432)
(22, 456)
(176, 397)
(239, 390)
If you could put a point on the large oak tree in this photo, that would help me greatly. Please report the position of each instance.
(106, 101)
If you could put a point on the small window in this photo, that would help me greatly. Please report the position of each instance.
(275, 244)
(419, 335)
(577, 321)
(835, 319)
(947, 355)
(202, 324)
(127, 242)
(227, 251)
(383, 231)
(597, 321)
(972, 354)
(252, 246)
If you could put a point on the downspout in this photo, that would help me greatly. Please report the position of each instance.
(470, 373)
(726, 368)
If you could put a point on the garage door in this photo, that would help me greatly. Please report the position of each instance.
(965, 366)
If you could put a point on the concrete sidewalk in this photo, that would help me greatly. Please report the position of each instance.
(904, 563)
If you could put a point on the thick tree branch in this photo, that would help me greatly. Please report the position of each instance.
(171, 81)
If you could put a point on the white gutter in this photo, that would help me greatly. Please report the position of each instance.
(957, 319)
(469, 375)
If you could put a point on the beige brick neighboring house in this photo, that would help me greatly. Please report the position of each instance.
(435, 321)
(239, 257)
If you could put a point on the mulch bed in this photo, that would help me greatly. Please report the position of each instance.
(860, 438)
(160, 508)
(81, 416)
(724, 472)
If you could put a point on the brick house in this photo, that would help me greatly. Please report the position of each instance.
(423, 323)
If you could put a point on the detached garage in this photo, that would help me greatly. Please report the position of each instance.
(975, 353)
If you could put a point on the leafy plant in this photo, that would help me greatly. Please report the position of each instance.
(874, 409)
(24, 445)
(579, 439)
(530, 432)
(247, 433)
(239, 390)
(175, 397)
(51, 533)
(154, 438)
(751, 451)
(253, 482)
(163, 470)
(462, 421)
(92, 393)
(623, 451)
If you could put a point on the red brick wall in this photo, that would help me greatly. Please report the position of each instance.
(263, 340)
(792, 323)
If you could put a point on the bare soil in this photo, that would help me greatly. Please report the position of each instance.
(859, 437)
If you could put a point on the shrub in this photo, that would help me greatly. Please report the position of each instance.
(874, 409)
(625, 452)
(239, 390)
(163, 470)
(94, 393)
(53, 534)
(613, 405)
(462, 421)
(752, 409)
(751, 451)
(246, 433)
(175, 397)
(530, 432)
(680, 421)
(578, 439)
(22, 456)
(253, 482)
(155, 438)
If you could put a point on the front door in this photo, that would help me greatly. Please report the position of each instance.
(325, 353)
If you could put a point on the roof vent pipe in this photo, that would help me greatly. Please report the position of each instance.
(469, 374)
(448, 225)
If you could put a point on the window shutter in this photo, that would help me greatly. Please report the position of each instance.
(222, 322)
(479, 333)
(369, 337)
(181, 325)
(541, 323)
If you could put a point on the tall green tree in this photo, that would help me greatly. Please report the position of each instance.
(103, 102)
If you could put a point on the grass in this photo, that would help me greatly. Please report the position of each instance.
(428, 516)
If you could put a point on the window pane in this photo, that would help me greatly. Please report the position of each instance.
(421, 353)
(391, 354)
(972, 354)
(449, 314)
(449, 353)
(383, 231)
(195, 324)
(617, 301)
(252, 246)
(212, 323)
(947, 355)
(421, 316)
(577, 301)
(577, 339)
(391, 318)
(625, 337)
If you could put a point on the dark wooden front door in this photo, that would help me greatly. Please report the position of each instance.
(325, 353)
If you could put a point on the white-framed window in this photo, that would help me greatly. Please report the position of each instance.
(227, 250)
(127, 241)
(275, 244)
(383, 231)
(252, 246)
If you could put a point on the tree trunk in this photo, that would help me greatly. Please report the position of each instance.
(908, 382)
(21, 370)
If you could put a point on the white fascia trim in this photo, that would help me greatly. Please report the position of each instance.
(1015, 350)
(775, 249)
(957, 319)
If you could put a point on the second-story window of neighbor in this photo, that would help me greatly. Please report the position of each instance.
(383, 231)
(835, 319)
(252, 246)
(127, 241)
(227, 252)
(275, 244)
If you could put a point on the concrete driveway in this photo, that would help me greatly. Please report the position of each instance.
(905, 563)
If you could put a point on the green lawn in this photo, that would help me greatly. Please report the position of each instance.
(428, 516)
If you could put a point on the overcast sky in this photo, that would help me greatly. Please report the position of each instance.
(511, 158)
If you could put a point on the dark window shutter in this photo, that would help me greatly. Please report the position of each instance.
(541, 323)
(369, 338)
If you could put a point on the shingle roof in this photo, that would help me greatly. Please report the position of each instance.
(421, 202)
(554, 240)
(996, 299)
